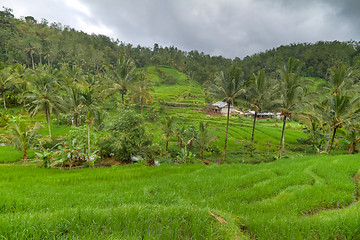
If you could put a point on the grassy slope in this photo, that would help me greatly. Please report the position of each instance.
(181, 86)
(299, 198)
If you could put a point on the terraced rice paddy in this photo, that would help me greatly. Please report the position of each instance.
(297, 198)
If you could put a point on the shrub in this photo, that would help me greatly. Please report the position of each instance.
(127, 137)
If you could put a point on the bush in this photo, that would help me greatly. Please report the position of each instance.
(127, 138)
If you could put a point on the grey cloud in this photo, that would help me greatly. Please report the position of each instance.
(219, 27)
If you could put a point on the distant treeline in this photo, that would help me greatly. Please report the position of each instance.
(30, 42)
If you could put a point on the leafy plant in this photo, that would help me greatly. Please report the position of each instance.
(185, 157)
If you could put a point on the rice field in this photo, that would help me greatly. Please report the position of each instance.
(314, 197)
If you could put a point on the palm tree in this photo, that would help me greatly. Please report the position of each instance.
(44, 94)
(339, 111)
(204, 138)
(22, 135)
(121, 74)
(139, 92)
(21, 72)
(341, 79)
(228, 89)
(351, 135)
(75, 103)
(90, 106)
(72, 75)
(167, 125)
(260, 94)
(341, 103)
(290, 93)
(8, 80)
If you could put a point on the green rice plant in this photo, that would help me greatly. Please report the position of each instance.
(298, 198)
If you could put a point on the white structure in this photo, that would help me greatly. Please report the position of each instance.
(263, 114)
(220, 108)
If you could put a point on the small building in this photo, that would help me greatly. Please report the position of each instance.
(220, 108)
(263, 115)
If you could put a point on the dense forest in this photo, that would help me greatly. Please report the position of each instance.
(30, 42)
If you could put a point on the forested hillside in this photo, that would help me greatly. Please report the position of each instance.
(29, 41)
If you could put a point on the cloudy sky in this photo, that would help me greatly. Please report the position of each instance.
(231, 28)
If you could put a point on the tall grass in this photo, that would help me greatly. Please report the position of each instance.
(304, 198)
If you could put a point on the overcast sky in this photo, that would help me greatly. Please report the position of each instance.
(231, 28)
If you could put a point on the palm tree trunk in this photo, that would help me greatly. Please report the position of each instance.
(202, 153)
(332, 139)
(4, 101)
(166, 146)
(227, 128)
(25, 155)
(253, 132)
(185, 149)
(122, 98)
(47, 113)
(282, 140)
(352, 147)
(32, 61)
(88, 138)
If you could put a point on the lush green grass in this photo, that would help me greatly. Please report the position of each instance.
(296, 198)
(176, 91)
(9, 154)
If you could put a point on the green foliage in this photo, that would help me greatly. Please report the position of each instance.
(22, 135)
(185, 157)
(72, 149)
(127, 136)
(44, 157)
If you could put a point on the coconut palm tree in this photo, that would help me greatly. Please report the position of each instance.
(228, 89)
(8, 80)
(168, 125)
(351, 134)
(204, 138)
(44, 94)
(260, 93)
(343, 101)
(341, 79)
(90, 106)
(74, 102)
(22, 135)
(290, 92)
(140, 92)
(121, 74)
(339, 111)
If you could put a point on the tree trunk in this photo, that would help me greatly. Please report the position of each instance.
(282, 140)
(25, 156)
(4, 101)
(166, 146)
(47, 113)
(122, 98)
(32, 61)
(253, 132)
(352, 147)
(202, 153)
(89, 138)
(332, 139)
(76, 122)
(141, 106)
(227, 128)
(185, 149)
